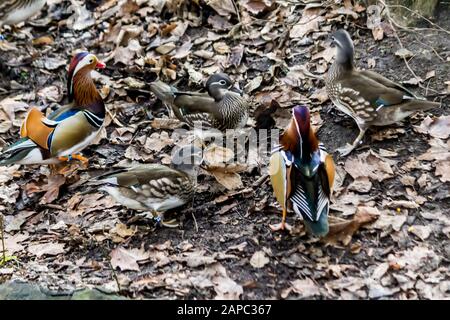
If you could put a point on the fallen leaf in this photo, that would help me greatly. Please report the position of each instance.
(437, 128)
(386, 221)
(196, 258)
(253, 84)
(231, 181)
(343, 231)
(123, 231)
(404, 53)
(222, 7)
(443, 170)
(370, 165)
(127, 259)
(305, 288)
(15, 222)
(46, 249)
(307, 24)
(13, 243)
(423, 232)
(259, 259)
(81, 19)
(52, 188)
(43, 41)
(157, 141)
(225, 287)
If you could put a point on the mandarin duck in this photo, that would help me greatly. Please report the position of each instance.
(221, 108)
(302, 174)
(366, 96)
(68, 130)
(16, 11)
(155, 188)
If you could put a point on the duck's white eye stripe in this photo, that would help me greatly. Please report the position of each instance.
(84, 62)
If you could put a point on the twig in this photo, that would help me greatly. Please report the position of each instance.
(3, 239)
(391, 22)
(260, 181)
(434, 50)
(438, 27)
(114, 275)
(195, 221)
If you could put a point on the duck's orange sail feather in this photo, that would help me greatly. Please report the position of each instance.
(35, 129)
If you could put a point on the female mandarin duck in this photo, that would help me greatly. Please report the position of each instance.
(221, 108)
(302, 174)
(155, 188)
(16, 11)
(368, 97)
(69, 129)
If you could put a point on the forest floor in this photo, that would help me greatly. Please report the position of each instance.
(392, 194)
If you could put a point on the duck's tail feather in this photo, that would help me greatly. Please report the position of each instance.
(24, 151)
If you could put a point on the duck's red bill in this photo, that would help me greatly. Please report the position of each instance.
(100, 65)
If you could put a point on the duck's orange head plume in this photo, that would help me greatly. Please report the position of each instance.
(82, 63)
(299, 138)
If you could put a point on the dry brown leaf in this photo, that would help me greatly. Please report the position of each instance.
(127, 54)
(320, 94)
(443, 170)
(305, 288)
(259, 259)
(386, 221)
(257, 6)
(413, 259)
(46, 249)
(231, 181)
(9, 173)
(55, 182)
(43, 41)
(404, 53)
(370, 165)
(378, 33)
(123, 231)
(127, 259)
(437, 128)
(15, 223)
(196, 258)
(225, 287)
(236, 55)
(307, 24)
(326, 54)
(8, 108)
(166, 124)
(157, 141)
(343, 231)
(423, 232)
(221, 48)
(217, 156)
(81, 19)
(13, 243)
(222, 7)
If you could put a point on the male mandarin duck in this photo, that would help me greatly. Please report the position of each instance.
(155, 188)
(221, 108)
(68, 130)
(16, 11)
(368, 97)
(302, 174)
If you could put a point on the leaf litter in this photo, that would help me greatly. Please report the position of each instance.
(389, 214)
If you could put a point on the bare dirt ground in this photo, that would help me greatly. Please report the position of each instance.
(398, 179)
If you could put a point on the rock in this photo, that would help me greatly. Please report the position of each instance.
(88, 294)
(17, 290)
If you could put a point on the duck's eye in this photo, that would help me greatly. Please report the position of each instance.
(91, 61)
(222, 82)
